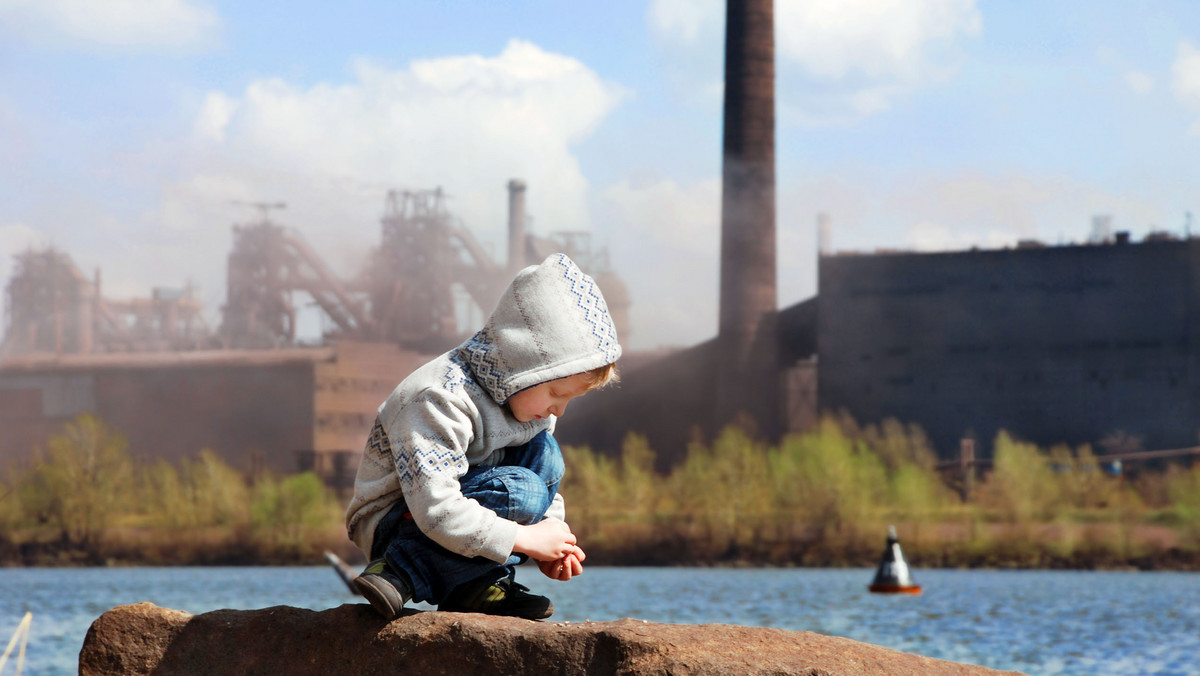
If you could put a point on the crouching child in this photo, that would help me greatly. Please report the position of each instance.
(458, 482)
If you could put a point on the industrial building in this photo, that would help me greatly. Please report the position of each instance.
(1065, 344)
(1094, 343)
(156, 372)
(260, 410)
(1076, 344)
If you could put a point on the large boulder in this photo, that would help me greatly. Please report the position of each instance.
(146, 639)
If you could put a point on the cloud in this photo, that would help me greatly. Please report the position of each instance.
(836, 60)
(879, 39)
(331, 151)
(113, 23)
(685, 21)
(1185, 81)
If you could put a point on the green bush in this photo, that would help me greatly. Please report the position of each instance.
(1183, 487)
(1022, 486)
(83, 481)
(285, 510)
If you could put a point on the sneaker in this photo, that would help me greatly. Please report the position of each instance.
(386, 590)
(498, 597)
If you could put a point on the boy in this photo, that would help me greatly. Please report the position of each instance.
(459, 479)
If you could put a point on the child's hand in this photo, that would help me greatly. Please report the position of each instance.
(548, 540)
(565, 568)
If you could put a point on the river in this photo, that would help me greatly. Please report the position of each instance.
(1038, 622)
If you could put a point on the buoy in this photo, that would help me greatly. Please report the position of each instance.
(893, 576)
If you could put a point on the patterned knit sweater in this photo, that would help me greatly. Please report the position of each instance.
(451, 414)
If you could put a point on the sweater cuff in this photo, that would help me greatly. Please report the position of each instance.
(499, 545)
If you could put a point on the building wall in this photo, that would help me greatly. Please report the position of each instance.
(278, 410)
(669, 401)
(1058, 344)
(255, 417)
(346, 395)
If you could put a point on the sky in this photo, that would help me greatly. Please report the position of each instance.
(133, 133)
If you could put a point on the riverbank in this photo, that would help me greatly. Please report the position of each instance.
(1050, 547)
(824, 498)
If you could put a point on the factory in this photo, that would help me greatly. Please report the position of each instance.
(155, 371)
(1093, 343)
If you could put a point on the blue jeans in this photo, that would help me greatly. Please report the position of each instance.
(520, 489)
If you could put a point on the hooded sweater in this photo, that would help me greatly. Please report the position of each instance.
(451, 414)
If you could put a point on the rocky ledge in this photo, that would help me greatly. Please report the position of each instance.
(146, 639)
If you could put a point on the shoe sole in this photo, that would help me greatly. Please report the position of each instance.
(530, 615)
(377, 598)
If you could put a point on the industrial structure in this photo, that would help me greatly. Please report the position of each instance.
(739, 376)
(748, 354)
(53, 307)
(1091, 344)
(1094, 343)
(1068, 344)
(412, 293)
(155, 371)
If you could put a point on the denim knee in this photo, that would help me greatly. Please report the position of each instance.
(544, 457)
(528, 497)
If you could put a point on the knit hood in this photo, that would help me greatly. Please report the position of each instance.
(552, 322)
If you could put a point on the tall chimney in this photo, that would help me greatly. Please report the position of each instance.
(748, 372)
(516, 225)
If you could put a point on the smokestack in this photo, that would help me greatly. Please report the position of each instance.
(516, 225)
(749, 370)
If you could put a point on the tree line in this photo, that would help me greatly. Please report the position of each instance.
(823, 497)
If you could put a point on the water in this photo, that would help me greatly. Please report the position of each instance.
(1038, 622)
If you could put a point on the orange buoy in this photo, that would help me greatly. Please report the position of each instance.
(893, 576)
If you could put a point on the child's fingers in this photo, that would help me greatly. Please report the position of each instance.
(573, 563)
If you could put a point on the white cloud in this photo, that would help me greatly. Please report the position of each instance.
(876, 38)
(114, 23)
(331, 151)
(684, 21)
(856, 58)
(1185, 80)
(837, 60)
(215, 115)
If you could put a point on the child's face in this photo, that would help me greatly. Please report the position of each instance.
(550, 398)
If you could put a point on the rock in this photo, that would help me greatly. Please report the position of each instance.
(146, 639)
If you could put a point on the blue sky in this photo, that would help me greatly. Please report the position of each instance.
(129, 129)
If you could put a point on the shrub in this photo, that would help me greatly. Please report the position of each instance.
(83, 482)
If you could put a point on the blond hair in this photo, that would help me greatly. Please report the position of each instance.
(601, 376)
